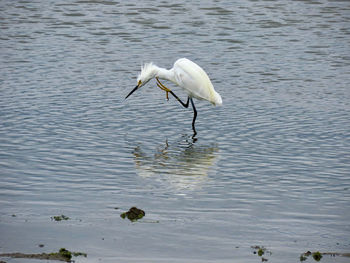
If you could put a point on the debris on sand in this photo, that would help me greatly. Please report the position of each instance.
(133, 214)
(60, 218)
(62, 255)
(317, 256)
(260, 250)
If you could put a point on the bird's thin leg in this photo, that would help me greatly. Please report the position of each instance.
(161, 86)
(194, 117)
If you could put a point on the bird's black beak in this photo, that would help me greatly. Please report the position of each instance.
(131, 92)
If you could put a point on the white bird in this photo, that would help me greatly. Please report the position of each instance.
(187, 75)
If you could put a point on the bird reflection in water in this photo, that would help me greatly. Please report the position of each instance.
(183, 165)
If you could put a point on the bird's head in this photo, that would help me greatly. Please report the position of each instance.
(148, 72)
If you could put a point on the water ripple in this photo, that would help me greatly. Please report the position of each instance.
(270, 165)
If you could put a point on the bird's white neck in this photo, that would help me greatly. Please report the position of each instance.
(167, 74)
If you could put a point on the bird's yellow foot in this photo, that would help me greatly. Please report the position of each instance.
(166, 91)
(161, 86)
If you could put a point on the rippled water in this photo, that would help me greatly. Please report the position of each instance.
(271, 167)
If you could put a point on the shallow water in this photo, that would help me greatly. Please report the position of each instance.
(268, 168)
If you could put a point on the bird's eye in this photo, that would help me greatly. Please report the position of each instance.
(139, 83)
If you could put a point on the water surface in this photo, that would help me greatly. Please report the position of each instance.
(269, 168)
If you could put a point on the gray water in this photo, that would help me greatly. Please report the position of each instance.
(271, 167)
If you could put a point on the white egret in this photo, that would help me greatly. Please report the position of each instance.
(187, 75)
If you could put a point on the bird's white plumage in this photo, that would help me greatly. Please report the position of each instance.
(186, 74)
(193, 79)
(148, 71)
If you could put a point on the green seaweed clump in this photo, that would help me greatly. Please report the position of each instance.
(302, 258)
(77, 254)
(260, 250)
(133, 214)
(317, 256)
(60, 218)
(62, 255)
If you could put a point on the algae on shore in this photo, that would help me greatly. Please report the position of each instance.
(62, 255)
(60, 218)
(317, 256)
(260, 250)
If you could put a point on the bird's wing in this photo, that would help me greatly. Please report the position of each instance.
(193, 79)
